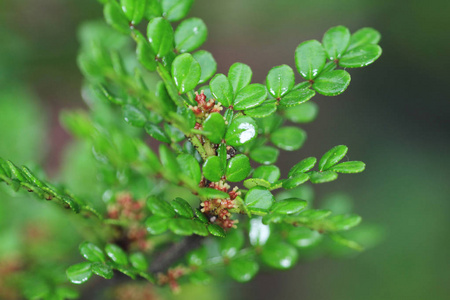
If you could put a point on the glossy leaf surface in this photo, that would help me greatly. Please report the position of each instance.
(259, 197)
(335, 41)
(250, 96)
(207, 63)
(240, 75)
(160, 36)
(190, 35)
(332, 157)
(279, 255)
(222, 90)
(212, 169)
(79, 273)
(332, 83)
(186, 72)
(241, 130)
(238, 168)
(310, 59)
(280, 80)
(214, 127)
(288, 138)
(175, 10)
(297, 97)
(265, 155)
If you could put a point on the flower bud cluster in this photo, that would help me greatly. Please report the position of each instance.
(203, 107)
(218, 209)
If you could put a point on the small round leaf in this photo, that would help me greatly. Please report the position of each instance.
(310, 59)
(332, 157)
(250, 96)
(335, 41)
(160, 36)
(280, 80)
(91, 252)
(175, 10)
(190, 35)
(207, 64)
(221, 90)
(297, 97)
(279, 255)
(212, 169)
(242, 130)
(259, 197)
(242, 270)
(185, 72)
(240, 75)
(79, 273)
(238, 168)
(332, 83)
(214, 127)
(265, 155)
(288, 138)
(116, 254)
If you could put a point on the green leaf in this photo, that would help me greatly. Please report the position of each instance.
(335, 41)
(138, 261)
(199, 228)
(134, 116)
(258, 233)
(280, 80)
(102, 270)
(302, 237)
(232, 243)
(153, 9)
(303, 166)
(360, 57)
(190, 35)
(79, 273)
(169, 161)
(332, 83)
(216, 230)
(265, 155)
(238, 168)
(212, 169)
(214, 127)
(160, 36)
(259, 197)
(345, 221)
(160, 207)
(145, 54)
(156, 132)
(115, 17)
(345, 242)
(186, 72)
(157, 224)
(364, 36)
(201, 216)
(305, 113)
(221, 90)
(207, 64)
(175, 10)
(322, 177)
(91, 252)
(182, 207)
(310, 59)
(263, 110)
(134, 10)
(222, 154)
(279, 255)
(288, 138)
(210, 193)
(250, 96)
(332, 157)
(242, 130)
(252, 182)
(200, 277)
(349, 167)
(181, 226)
(175, 135)
(197, 257)
(116, 254)
(295, 180)
(288, 206)
(313, 215)
(240, 75)
(297, 97)
(189, 167)
(242, 269)
(269, 173)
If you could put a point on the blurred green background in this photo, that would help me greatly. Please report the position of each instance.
(394, 117)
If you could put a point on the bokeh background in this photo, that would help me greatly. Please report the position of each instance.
(394, 116)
